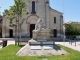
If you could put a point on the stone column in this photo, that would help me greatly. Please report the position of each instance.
(47, 14)
(28, 27)
(61, 24)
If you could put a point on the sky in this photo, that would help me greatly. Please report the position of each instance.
(70, 8)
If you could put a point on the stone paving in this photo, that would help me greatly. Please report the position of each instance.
(77, 47)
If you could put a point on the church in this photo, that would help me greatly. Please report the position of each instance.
(52, 19)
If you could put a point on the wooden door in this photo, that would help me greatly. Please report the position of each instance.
(32, 27)
(55, 32)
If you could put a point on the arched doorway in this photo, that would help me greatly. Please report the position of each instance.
(31, 21)
(55, 32)
(32, 27)
(11, 33)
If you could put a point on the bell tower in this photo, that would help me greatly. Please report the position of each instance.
(39, 8)
(33, 6)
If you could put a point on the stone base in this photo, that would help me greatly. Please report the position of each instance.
(34, 48)
(44, 34)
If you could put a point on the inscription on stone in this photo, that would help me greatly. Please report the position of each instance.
(35, 47)
(48, 47)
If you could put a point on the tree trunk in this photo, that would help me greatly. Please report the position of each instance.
(20, 33)
(15, 35)
(18, 30)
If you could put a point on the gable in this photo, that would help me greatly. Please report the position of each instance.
(53, 10)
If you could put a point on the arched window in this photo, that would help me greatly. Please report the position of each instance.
(33, 6)
(55, 20)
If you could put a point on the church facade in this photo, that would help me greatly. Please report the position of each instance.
(52, 19)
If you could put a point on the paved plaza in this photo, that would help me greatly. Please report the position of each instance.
(67, 44)
(77, 47)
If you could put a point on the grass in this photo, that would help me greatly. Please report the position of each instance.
(9, 53)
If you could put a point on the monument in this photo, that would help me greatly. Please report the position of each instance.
(40, 32)
(39, 45)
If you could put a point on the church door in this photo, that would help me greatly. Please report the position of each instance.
(11, 33)
(32, 27)
(55, 32)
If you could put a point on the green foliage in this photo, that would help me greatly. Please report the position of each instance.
(22, 22)
(13, 25)
(72, 29)
(9, 53)
(19, 7)
(9, 16)
(17, 10)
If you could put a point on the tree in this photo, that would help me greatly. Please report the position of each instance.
(72, 29)
(10, 16)
(18, 10)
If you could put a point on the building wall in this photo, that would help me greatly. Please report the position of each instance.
(5, 27)
(1, 18)
(32, 18)
(59, 21)
(43, 11)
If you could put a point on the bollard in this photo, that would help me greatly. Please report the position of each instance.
(71, 41)
(75, 42)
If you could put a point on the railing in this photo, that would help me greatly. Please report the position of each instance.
(72, 38)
